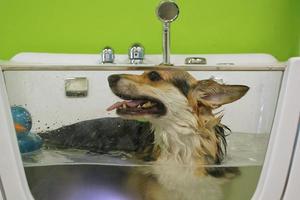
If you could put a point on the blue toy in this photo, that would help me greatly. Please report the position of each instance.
(27, 140)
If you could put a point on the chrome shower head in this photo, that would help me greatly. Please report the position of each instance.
(167, 11)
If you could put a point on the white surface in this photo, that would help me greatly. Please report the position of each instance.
(277, 161)
(11, 168)
(42, 93)
(292, 189)
(91, 59)
(1, 197)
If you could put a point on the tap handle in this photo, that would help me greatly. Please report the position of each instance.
(107, 55)
(136, 54)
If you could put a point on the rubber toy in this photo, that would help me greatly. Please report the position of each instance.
(28, 141)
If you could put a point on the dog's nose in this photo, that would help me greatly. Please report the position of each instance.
(113, 80)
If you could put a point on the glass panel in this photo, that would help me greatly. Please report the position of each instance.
(158, 134)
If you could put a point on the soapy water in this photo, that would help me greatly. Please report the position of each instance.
(244, 149)
(72, 174)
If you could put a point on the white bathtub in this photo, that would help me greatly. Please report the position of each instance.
(272, 105)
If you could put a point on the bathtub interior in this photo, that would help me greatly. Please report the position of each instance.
(75, 170)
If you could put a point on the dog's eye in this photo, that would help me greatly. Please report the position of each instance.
(154, 76)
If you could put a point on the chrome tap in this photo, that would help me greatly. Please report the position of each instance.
(136, 54)
(107, 55)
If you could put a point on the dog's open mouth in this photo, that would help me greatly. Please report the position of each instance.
(138, 106)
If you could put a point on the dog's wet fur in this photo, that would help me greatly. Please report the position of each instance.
(188, 136)
(186, 103)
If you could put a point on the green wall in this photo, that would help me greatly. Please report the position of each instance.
(296, 22)
(85, 26)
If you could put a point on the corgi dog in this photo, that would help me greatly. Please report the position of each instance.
(188, 136)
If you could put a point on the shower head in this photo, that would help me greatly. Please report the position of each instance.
(167, 12)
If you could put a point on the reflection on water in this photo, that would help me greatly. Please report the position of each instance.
(72, 174)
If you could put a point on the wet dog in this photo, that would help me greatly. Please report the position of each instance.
(188, 136)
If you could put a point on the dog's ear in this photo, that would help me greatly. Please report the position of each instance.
(212, 94)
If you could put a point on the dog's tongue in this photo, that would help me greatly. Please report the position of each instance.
(115, 105)
(131, 103)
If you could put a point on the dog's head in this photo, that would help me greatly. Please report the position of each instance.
(169, 95)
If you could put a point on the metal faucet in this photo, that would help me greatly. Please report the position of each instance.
(167, 12)
(136, 54)
(107, 55)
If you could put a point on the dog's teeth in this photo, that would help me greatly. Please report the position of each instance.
(139, 106)
(147, 105)
(124, 105)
